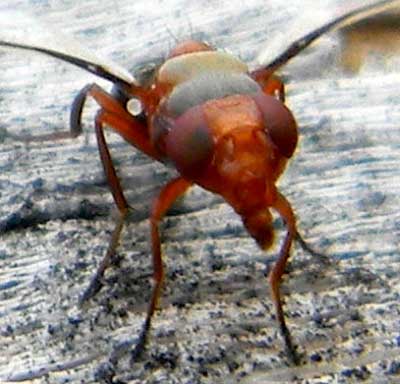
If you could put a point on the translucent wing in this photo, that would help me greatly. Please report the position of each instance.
(22, 31)
(319, 23)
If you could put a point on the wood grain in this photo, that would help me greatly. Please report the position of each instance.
(216, 324)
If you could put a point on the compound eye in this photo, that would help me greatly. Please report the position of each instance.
(189, 143)
(279, 123)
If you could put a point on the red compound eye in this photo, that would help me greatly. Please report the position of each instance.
(189, 143)
(279, 123)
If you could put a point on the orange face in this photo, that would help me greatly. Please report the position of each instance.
(244, 157)
(220, 129)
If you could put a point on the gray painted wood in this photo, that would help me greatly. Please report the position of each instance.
(216, 324)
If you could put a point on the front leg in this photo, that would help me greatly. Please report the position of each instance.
(114, 116)
(167, 196)
(283, 207)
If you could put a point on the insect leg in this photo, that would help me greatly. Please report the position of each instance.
(75, 116)
(168, 195)
(117, 118)
(75, 122)
(113, 115)
(120, 201)
(324, 259)
(282, 206)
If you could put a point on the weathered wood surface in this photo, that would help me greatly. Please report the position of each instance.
(216, 323)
